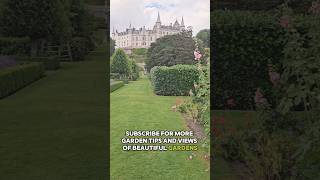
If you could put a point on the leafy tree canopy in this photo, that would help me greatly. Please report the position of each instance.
(171, 50)
(204, 36)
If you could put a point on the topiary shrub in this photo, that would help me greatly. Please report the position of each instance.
(176, 80)
(243, 43)
(15, 78)
(120, 63)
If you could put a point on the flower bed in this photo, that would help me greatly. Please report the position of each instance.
(17, 77)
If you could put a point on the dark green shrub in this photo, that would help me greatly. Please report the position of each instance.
(116, 85)
(14, 45)
(134, 70)
(79, 48)
(172, 50)
(50, 63)
(243, 44)
(120, 63)
(175, 80)
(15, 78)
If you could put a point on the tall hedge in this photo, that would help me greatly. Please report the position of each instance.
(243, 44)
(15, 78)
(176, 80)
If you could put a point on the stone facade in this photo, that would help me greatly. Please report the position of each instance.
(142, 38)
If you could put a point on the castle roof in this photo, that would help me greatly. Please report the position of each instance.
(176, 23)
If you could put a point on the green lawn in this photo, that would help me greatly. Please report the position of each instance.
(56, 128)
(135, 107)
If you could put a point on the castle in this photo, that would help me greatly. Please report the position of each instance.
(142, 38)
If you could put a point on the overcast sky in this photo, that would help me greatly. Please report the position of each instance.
(196, 13)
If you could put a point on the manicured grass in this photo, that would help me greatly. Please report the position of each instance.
(135, 107)
(56, 128)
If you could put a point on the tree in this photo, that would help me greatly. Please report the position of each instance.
(171, 50)
(204, 36)
(40, 20)
(120, 63)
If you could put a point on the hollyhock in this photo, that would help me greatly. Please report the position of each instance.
(197, 55)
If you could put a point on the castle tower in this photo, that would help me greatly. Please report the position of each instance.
(158, 23)
(182, 24)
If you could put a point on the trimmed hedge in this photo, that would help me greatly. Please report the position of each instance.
(243, 44)
(15, 78)
(116, 85)
(14, 45)
(50, 63)
(176, 80)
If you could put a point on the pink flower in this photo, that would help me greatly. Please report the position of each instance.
(274, 76)
(285, 21)
(197, 55)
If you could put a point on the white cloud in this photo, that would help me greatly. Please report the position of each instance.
(141, 13)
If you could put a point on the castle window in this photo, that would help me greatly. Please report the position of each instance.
(137, 38)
